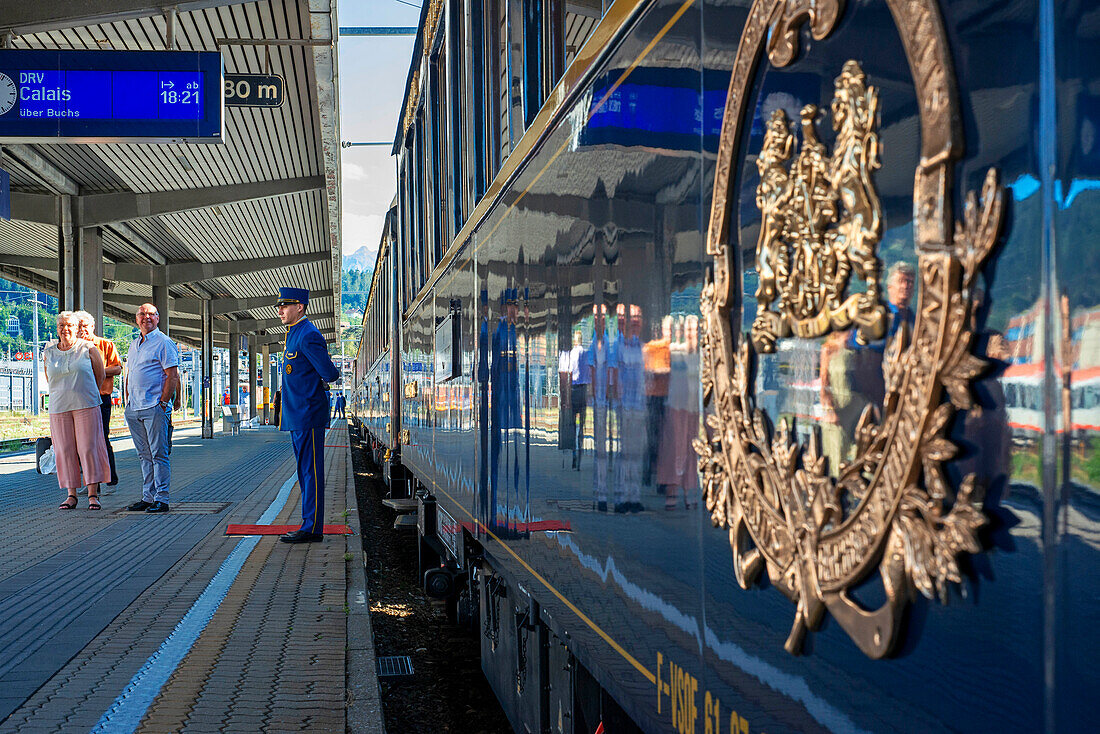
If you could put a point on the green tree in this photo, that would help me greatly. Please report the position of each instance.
(119, 333)
(15, 301)
(355, 287)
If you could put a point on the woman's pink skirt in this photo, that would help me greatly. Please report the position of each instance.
(79, 447)
(677, 462)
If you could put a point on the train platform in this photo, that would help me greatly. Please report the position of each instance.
(117, 621)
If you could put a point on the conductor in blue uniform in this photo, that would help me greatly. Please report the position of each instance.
(306, 368)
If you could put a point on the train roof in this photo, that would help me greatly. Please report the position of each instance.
(429, 9)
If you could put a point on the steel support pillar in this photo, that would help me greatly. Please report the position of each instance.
(276, 381)
(269, 391)
(67, 254)
(160, 300)
(234, 367)
(207, 370)
(36, 399)
(251, 375)
(196, 390)
(89, 280)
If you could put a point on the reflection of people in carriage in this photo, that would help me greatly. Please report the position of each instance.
(676, 466)
(866, 361)
(604, 375)
(899, 288)
(484, 500)
(627, 355)
(566, 424)
(579, 377)
(656, 355)
(851, 373)
(839, 414)
(505, 406)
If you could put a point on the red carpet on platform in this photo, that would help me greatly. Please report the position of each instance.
(280, 529)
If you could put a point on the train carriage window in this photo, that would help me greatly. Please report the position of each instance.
(504, 84)
(516, 26)
(553, 44)
(416, 198)
(533, 44)
(432, 155)
(440, 157)
(486, 18)
(426, 218)
(458, 97)
(475, 66)
(1092, 396)
(406, 250)
(406, 226)
(402, 191)
(407, 245)
(416, 217)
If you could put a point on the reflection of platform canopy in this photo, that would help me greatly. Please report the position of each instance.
(179, 224)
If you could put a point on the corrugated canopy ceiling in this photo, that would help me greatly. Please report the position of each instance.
(284, 233)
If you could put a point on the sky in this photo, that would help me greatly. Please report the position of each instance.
(372, 84)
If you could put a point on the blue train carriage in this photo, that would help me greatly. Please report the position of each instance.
(373, 399)
(734, 350)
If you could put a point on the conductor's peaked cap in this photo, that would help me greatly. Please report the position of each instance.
(288, 296)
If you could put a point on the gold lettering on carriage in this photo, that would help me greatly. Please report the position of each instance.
(821, 222)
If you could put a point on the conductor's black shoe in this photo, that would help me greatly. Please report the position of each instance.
(302, 536)
(140, 506)
(158, 507)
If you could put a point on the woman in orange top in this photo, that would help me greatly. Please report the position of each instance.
(112, 367)
(657, 358)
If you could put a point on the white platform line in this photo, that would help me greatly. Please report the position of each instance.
(127, 711)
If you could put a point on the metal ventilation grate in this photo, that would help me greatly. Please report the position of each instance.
(185, 508)
(397, 666)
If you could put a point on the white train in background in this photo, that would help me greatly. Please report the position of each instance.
(1023, 390)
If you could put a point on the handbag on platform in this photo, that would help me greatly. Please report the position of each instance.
(44, 460)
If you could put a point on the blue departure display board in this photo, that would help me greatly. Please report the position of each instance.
(89, 96)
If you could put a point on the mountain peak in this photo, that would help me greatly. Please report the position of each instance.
(361, 259)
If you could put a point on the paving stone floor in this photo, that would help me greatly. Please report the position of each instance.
(88, 597)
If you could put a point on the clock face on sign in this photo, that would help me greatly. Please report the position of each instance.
(8, 94)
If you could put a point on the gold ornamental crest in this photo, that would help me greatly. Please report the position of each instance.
(821, 221)
(891, 510)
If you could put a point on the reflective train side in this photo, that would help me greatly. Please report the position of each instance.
(372, 399)
(540, 367)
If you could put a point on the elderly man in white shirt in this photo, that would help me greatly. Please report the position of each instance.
(152, 375)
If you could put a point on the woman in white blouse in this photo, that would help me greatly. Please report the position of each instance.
(74, 369)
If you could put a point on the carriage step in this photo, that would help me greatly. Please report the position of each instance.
(402, 504)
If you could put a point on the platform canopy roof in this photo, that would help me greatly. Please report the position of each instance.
(229, 222)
